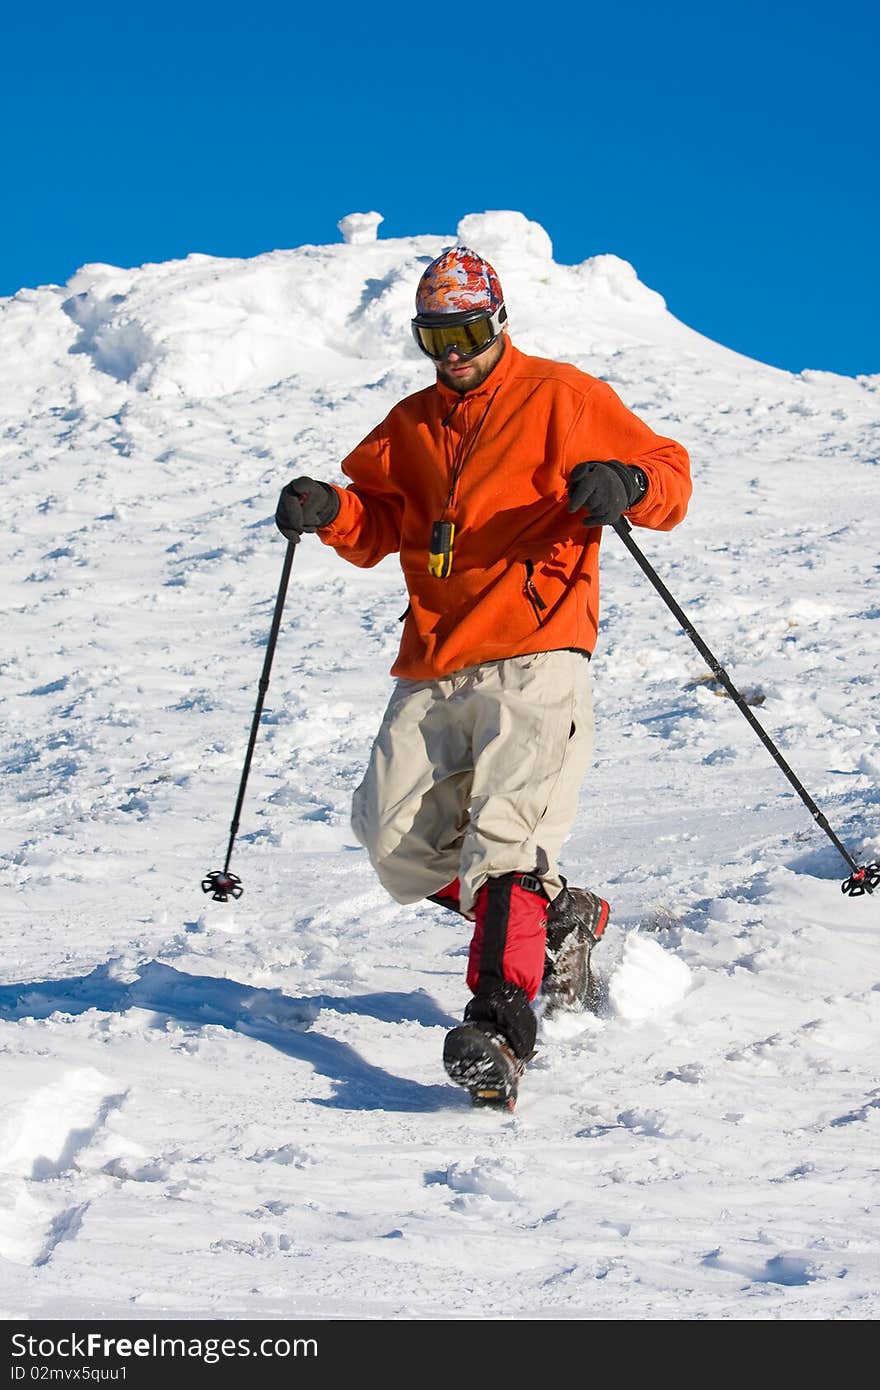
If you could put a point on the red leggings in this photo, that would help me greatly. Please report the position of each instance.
(509, 932)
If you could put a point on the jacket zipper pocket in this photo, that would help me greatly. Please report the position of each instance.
(539, 607)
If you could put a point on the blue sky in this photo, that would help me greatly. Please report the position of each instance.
(729, 153)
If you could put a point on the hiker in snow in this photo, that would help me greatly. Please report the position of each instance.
(493, 485)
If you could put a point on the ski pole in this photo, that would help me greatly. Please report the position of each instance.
(864, 878)
(221, 884)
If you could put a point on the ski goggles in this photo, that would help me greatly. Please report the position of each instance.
(466, 335)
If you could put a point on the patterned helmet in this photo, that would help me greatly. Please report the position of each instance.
(458, 281)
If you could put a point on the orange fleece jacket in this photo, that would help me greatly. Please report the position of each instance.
(495, 462)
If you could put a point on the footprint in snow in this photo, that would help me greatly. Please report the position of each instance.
(41, 1139)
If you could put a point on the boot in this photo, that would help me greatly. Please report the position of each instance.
(576, 920)
(487, 1053)
(484, 1063)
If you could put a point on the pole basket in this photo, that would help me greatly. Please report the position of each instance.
(863, 880)
(222, 886)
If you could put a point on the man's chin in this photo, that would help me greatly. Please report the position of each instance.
(465, 381)
(476, 373)
(459, 381)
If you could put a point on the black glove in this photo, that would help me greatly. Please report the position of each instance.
(605, 491)
(304, 505)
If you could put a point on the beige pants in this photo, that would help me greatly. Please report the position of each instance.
(477, 775)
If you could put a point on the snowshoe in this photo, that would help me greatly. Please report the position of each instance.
(483, 1062)
(576, 920)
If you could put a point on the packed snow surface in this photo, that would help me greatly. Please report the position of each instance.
(238, 1110)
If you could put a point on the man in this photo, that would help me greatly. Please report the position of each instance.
(484, 483)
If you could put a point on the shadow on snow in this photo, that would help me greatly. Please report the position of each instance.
(266, 1015)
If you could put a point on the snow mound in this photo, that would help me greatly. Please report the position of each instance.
(207, 327)
(505, 237)
(486, 1177)
(358, 228)
(648, 980)
(615, 281)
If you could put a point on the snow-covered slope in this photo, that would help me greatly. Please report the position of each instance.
(238, 1110)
